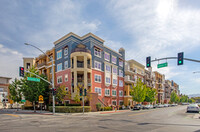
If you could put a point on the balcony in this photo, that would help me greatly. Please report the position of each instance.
(129, 79)
(41, 64)
(81, 50)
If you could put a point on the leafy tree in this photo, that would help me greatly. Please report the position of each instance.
(15, 92)
(150, 95)
(31, 90)
(174, 97)
(191, 100)
(138, 92)
(184, 98)
(60, 93)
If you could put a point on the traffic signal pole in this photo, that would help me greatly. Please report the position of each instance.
(176, 58)
(53, 84)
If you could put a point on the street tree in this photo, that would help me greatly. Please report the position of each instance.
(150, 95)
(174, 97)
(138, 92)
(184, 98)
(60, 93)
(15, 92)
(31, 90)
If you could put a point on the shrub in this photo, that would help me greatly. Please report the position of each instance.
(70, 109)
(106, 108)
(98, 106)
(66, 104)
(27, 107)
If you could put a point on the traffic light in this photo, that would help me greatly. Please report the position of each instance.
(180, 58)
(148, 61)
(81, 92)
(53, 91)
(21, 71)
(85, 92)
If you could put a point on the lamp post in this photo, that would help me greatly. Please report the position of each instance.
(53, 84)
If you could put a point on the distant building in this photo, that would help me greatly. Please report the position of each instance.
(4, 91)
(133, 71)
(160, 81)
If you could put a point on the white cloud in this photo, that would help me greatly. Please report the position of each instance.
(11, 60)
(160, 27)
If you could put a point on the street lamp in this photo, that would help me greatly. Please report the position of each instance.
(52, 73)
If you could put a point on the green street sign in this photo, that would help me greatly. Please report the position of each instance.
(162, 65)
(23, 101)
(33, 79)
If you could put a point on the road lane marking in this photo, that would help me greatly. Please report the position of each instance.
(12, 115)
(139, 113)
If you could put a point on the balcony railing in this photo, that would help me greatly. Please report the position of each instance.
(130, 79)
(41, 64)
(81, 50)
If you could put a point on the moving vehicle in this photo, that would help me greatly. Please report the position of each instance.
(193, 108)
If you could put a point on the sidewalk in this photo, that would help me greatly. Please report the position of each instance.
(50, 113)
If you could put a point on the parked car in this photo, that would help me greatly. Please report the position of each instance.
(193, 108)
(160, 106)
(174, 105)
(166, 105)
(137, 107)
(147, 106)
(155, 106)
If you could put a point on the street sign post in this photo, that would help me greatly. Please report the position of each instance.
(41, 101)
(162, 65)
(33, 79)
(23, 101)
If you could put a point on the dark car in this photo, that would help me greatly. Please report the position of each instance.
(137, 107)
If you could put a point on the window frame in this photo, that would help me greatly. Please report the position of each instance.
(65, 77)
(120, 91)
(115, 59)
(60, 64)
(98, 50)
(98, 79)
(99, 89)
(122, 83)
(106, 89)
(60, 51)
(59, 77)
(122, 63)
(115, 92)
(65, 64)
(106, 58)
(65, 54)
(97, 65)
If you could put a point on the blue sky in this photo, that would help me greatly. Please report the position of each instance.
(156, 28)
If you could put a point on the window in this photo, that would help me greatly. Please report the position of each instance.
(121, 102)
(59, 67)
(97, 52)
(66, 89)
(120, 73)
(114, 81)
(67, 101)
(98, 90)
(97, 78)
(59, 79)
(120, 93)
(114, 59)
(108, 80)
(107, 92)
(51, 70)
(135, 78)
(114, 102)
(120, 83)
(28, 65)
(114, 93)
(114, 70)
(66, 64)
(59, 54)
(120, 63)
(108, 68)
(66, 77)
(107, 56)
(97, 65)
(66, 51)
(51, 58)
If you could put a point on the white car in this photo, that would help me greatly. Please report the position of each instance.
(193, 108)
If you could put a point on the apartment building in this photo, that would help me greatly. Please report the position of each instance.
(167, 90)
(149, 78)
(133, 71)
(85, 62)
(4, 91)
(160, 81)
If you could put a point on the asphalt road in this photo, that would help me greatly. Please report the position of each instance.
(172, 119)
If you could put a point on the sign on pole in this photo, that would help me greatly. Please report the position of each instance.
(41, 100)
(33, 79)
(162, 65)
(23, 100)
